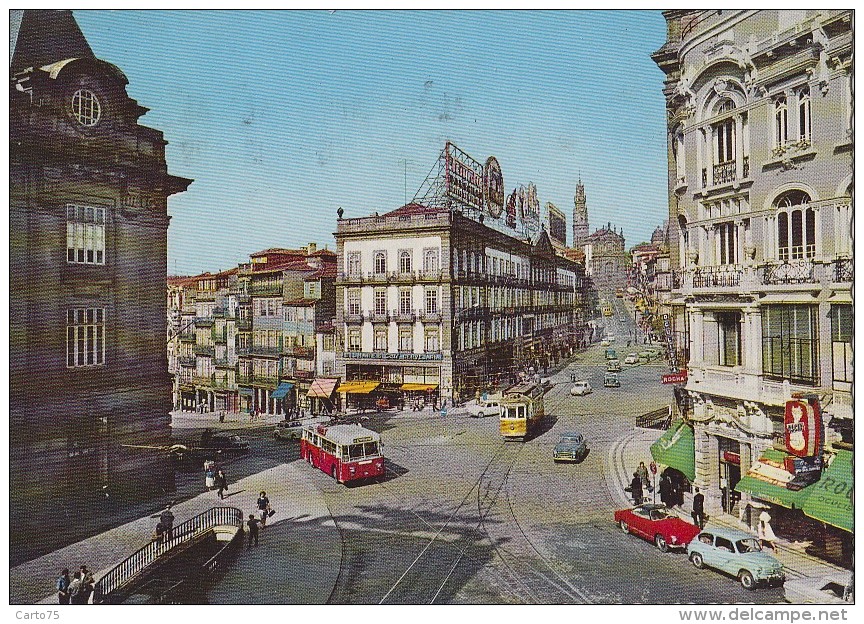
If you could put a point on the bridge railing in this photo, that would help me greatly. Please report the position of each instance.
(181, 534)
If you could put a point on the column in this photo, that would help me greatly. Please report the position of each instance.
(739, 147)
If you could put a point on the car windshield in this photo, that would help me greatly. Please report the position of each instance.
(748, 545)
(660, 514)
(571, 438)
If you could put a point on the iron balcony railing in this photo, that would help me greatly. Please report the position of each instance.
(795, 272)
(136, 563)
(717, 276)
(843, 269)
(204, 350)
(724, 172)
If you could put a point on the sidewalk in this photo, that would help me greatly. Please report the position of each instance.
(630, 449)
(233, 420)
(301, 515)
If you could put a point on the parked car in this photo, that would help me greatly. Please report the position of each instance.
(483, 408)
(611, 338)
(645, 356)
(224, 442)
(737, 553)
(610, 354)
(571, 447)
(288, 430)
(604, 342)
(581, 388)
(613, 366)
(632, 358)
(658, 524)
(837, 589)
(610, 380)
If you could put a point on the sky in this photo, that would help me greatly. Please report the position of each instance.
(282, 117)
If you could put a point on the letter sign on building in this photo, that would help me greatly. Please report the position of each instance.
(803, 427)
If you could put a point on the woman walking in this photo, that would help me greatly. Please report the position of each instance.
(765, 532)
(263, 507)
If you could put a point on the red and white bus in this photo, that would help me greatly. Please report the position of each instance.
(345, 452)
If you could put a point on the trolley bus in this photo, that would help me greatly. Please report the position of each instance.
(521, 410)
(345, 452)
(606, 308)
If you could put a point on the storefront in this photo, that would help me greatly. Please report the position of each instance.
(283, 398)
(676, 450)
(358, 394)
(320, 396)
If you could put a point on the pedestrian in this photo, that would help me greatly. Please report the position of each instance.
(167, 520)
(209, 478)
(636, 489)
(253, 530)
(75, 589)
(87, 583)
(642, 471)
(159, 536)
(222, 416)
(698, 509)
(221, 482)
(263, 507)
(63, 587)
(765, 532)
(665, 490)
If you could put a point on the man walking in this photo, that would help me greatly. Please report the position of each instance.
(636, 489)
(699, 509)
(167, 520)
(221, 483)
(253, 530)
(63, 587)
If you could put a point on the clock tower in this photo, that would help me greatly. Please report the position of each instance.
(580, 216)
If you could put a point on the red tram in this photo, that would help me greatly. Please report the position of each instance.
(345, 452)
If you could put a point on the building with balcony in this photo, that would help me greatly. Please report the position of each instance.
(760, 206)
(88, 192)
(606, 260)
(433, 303)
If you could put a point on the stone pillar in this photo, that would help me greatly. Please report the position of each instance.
(739, 147)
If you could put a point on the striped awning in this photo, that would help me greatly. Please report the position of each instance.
(358, 387)
(322, 388)
(418, 387)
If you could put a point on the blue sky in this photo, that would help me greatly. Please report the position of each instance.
(282, 117)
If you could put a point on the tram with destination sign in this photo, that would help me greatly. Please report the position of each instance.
(345, 452)
(521, 410)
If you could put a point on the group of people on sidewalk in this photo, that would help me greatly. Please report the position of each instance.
(75, 589)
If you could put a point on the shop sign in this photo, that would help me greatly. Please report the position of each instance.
(674, 378)
(464, 178)
(367, 355)
(670, 346)
(493, 187)
(732, 458)
(802, 466)
(803, 430)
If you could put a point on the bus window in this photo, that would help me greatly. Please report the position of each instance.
(371, 448)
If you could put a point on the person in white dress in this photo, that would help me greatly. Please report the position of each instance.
(765, 532)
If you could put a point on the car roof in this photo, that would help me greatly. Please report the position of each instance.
(730, 534)
(570, 434)
(581, 381)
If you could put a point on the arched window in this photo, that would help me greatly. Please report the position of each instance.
(781, 135)
(430, 260)
(404, 261)
(380, 262)
(804, 114)
(796, 226)
(726, 105)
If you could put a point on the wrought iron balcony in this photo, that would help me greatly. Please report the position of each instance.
(401, 316)
(203, 321)
(724, 172)
(244, 323)
(377, 317)
(204, 350)
(186, 360)
(429, 317)
(187, 336)
(843, 269)
(717, 276)
(354, 319)
(266, 351)
(263, 290)
(794, 272)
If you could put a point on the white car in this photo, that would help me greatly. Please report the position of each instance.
(481, 408)
(610, 338)
(632, 358)
(580, 388)
(604, 342)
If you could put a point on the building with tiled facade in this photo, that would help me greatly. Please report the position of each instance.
(760, 205)
(432, 302)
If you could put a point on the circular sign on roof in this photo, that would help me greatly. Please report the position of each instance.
(493, 187)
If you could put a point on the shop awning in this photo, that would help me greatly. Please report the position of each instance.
(245, 391)
(677, 449)
(767, 479)
(322, 388)
(830, 499)
(282, 390)
(358, 387)
(418, 387)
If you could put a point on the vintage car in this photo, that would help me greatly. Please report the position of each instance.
(484, 407)
(610, 354)
(656, 523)
(737, 553)
(571, 447)
(604, 342)
(288, 430)
(581, 388)
(632, 358)
(613, 366)
(610, 380)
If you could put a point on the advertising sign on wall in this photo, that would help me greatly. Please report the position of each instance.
(493, 187)
(557, 224)
(803, 427)
(464, 178)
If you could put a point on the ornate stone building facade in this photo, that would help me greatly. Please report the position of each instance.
(759, 110)
(606, 260)
(580, 216)
(88, 253)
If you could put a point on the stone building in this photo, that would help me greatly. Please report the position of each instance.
(759, 110)
(606, 260)
(580, 216)
(88, 236)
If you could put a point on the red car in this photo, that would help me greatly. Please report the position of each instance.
(657, 524)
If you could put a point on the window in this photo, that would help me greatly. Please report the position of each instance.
(804, 114)
(380, 339)
(781, 113)
(85, 337)
(725, 133)
(841, 342)
(729, 324)
(404, 261)
(354, 301)
(86, 108)
(354, 263)
(380, 301)
(431, 335)
(728, 242)
(380, 262)
(790, 343)
(431, 301)
(85, 234)
(796, 226)
(430, 261)
(406, 342)
(404, 301)
(724, 544)
(354, 340)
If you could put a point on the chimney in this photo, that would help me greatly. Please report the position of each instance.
(310, 248)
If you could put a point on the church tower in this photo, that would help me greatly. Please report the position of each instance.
(580, 216)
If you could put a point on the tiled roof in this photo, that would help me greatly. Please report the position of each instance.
(413, 209)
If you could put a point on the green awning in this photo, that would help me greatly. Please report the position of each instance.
(830, 499)
(677, 449)
(764, 481)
